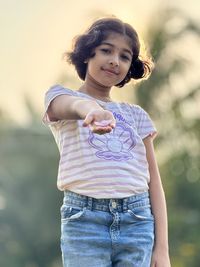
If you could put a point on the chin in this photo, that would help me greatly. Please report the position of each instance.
(107, 83)
(104, 84)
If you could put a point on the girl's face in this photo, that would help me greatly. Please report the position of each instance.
(112, 60)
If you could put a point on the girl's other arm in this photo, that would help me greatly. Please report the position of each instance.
(66, 107)
(160, 257)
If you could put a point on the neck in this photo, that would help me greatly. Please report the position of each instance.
(95, 89)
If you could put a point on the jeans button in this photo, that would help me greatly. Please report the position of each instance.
(114, 205)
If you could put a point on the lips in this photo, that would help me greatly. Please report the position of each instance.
(110, 71)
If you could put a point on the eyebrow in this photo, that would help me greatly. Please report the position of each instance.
(124, 49)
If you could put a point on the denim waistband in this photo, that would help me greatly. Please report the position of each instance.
(122, 204)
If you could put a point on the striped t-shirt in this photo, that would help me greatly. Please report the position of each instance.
(112, 165)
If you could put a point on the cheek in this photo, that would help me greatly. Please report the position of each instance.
(90, 69)
(127, 67)
(125, 70)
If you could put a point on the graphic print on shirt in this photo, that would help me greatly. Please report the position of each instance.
(116, 145)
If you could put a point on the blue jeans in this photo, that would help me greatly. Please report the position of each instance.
(106, 232)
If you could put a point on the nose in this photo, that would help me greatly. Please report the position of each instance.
(114, 61)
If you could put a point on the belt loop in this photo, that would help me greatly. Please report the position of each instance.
(90, 202)
(125, 204)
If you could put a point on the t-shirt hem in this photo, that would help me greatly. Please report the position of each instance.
(103, 195)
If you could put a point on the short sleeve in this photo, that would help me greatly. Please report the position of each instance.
(144, 124)
(51, 94)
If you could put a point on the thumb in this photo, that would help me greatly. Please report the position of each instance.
(88, 120)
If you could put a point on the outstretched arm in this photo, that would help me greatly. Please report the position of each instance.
(160, 257)
(66, 107)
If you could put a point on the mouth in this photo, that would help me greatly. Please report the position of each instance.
(109, 71)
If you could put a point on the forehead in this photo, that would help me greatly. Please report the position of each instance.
(120, 41)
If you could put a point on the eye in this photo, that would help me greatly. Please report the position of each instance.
(105, 50)
(125, 57)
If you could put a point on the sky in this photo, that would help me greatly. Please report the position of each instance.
(35, 33)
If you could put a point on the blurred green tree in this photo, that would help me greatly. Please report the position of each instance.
(175, 110)
(29, 200)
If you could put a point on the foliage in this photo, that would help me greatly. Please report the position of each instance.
(29, 214)
(178, 142)
(29, 200)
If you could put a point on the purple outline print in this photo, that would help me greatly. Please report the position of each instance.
(115, 145)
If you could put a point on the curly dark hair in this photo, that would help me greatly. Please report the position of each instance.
(85, 44)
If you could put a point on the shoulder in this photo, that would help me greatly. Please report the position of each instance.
(57, 88)
(135, 109)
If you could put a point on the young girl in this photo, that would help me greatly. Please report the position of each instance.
(114, 211)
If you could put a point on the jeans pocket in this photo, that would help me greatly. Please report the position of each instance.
(141, 213)
(69, 213)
